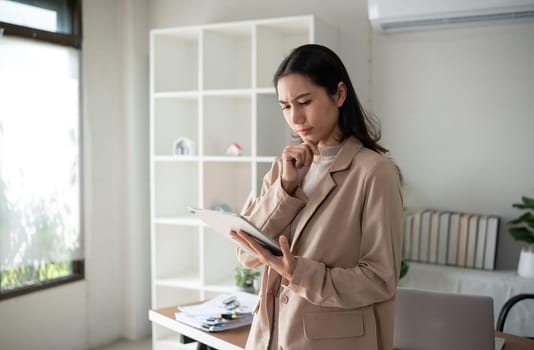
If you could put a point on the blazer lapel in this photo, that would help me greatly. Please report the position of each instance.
(351, 146)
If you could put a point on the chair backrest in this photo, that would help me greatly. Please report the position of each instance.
(429, 320)
(506, 309)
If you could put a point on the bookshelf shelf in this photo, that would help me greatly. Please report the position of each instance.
(211, 84)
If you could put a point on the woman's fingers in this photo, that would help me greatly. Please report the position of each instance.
(289, 259)
(300, 155)
(284, 245)
(251, 245)
(284, 265)
(313, 147)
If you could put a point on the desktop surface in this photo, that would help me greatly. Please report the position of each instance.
(236, 339)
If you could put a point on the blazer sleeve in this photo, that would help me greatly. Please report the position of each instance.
(374, 278)
(273, 211)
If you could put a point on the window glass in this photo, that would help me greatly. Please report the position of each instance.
(40, 232)
(49, 15)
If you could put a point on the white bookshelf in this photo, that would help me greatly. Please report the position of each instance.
(211, 84)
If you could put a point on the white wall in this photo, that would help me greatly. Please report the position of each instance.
(457, 109)
(453, 103)
(113, 300)
(136, 233)
(116, 129)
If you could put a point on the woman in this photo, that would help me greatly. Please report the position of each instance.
(333, 202)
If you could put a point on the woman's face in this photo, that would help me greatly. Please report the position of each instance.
(309, 111)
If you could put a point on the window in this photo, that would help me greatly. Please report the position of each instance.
(40, 145)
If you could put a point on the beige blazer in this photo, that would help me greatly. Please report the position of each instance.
(347, 245)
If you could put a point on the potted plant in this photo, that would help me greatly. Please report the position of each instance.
(522, 229)
(244, 278)
(404, 269)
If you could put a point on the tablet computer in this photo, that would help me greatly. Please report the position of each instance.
(223, 222)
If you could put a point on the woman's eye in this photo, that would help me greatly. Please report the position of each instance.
(284, 107)
(305, 103)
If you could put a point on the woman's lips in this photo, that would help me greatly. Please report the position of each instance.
(304, 131)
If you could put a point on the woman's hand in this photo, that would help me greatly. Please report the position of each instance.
(296, 163)
(284, 265)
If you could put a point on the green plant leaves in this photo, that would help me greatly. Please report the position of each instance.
(404, 269)
(245, 277)
(522, 228)
(526, 218)
(522, 234)
(528, 203)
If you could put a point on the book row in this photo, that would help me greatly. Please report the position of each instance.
(451, 238)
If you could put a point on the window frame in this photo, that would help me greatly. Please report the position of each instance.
(74, 39)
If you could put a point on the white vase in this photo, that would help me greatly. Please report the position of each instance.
(525, 267)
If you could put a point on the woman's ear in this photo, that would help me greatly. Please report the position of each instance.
(341, 94)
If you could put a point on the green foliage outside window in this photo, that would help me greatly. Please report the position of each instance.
(29, 275)
(44, 244)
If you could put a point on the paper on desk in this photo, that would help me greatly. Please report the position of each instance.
(215, 306)
(199, 321)
(196, 315)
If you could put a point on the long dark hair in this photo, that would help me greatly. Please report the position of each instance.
(326, 69)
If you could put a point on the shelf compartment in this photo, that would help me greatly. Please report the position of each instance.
(170, 296)
(174, 118)
(175, 188)
(175, 60)
(228, 183)
(238, 159)
(225, 47)
(226, 285)
(219, 113)
(177, 257)
(219, 257)
(190, 281)
(275, 41)
(261, 170)
(182, 221)
(273, 133)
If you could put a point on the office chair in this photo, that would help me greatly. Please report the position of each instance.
(506, 309)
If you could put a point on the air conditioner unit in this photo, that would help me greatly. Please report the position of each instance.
(398, 15)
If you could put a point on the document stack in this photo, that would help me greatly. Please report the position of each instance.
(223, 312)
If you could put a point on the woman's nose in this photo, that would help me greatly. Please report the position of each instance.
(297, 116)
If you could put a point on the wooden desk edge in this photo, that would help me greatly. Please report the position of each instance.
(514, 342)
(235, 339)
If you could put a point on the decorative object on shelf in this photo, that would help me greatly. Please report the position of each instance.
(183, 147)
(222, 207)
(234, 149)
(522, 229)
(245, 278)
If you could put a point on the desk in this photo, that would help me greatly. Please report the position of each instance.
(235, 339)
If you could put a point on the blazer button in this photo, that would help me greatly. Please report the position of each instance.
(285, 299)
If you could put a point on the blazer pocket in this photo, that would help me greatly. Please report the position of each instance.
(336, 324)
